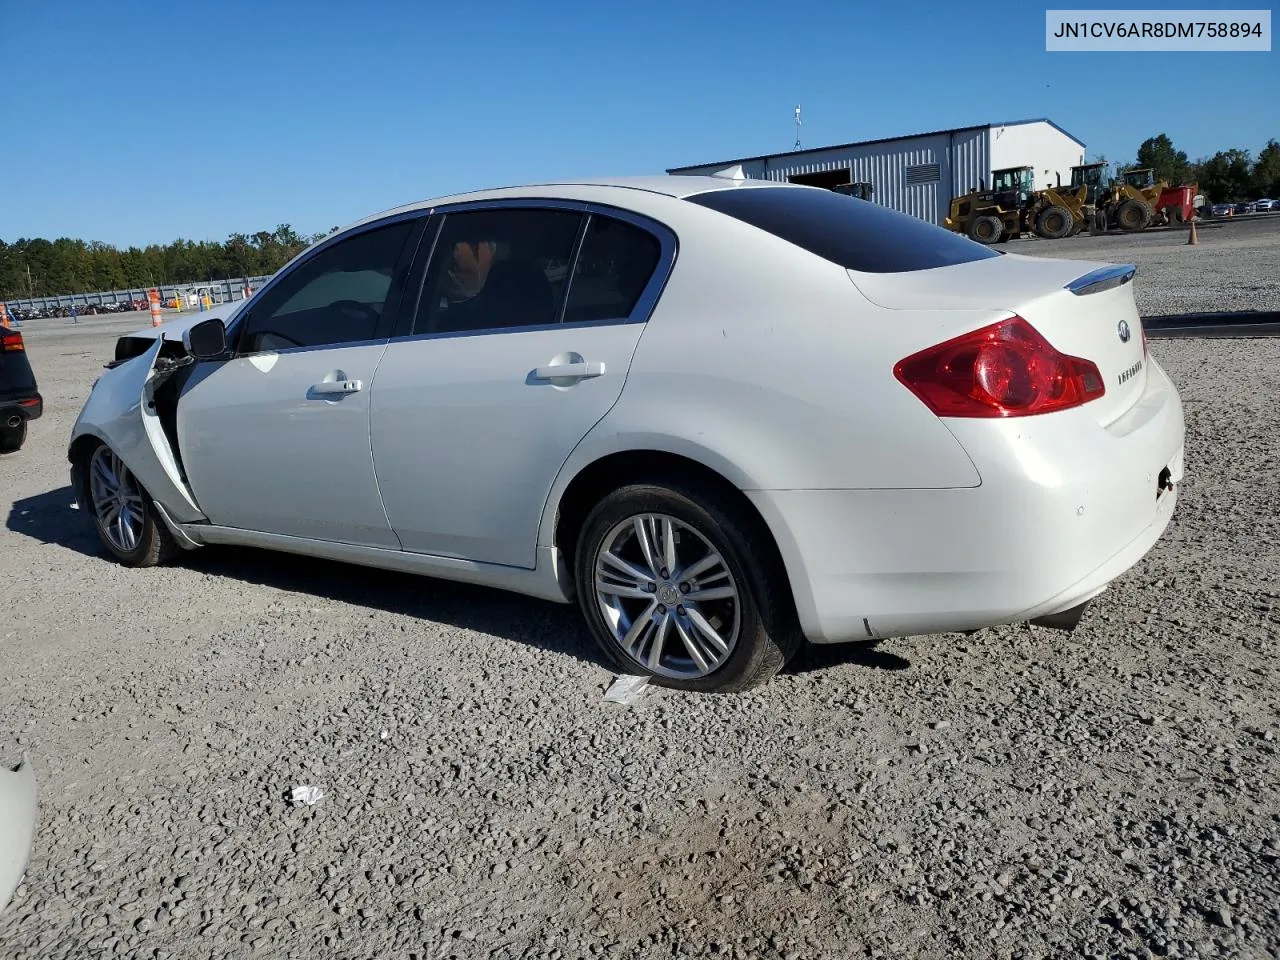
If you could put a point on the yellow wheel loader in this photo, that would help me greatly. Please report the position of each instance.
(1058, 212)
(1131, 203)
(995, 215)
(1013, 206)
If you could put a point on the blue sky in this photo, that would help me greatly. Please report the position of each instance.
(144, 121)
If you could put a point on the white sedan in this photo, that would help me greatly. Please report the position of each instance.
(723, 416)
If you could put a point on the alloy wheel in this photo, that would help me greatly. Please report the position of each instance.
(668, 596)
(117, 500)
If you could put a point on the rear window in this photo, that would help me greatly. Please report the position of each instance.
(854, 233)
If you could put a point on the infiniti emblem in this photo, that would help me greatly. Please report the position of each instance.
(1123, 330)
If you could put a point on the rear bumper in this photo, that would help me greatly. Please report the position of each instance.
(1065, 506)
(29, 407)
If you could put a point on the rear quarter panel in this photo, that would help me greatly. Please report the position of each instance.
(765, 363)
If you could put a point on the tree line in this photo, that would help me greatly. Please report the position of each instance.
(44, 268)
(1227, 176)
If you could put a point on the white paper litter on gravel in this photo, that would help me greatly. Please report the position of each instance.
(306, 795)
(626, 689)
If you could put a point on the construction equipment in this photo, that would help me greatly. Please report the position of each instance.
(1060, 211)
(1090, 182)
(995, 215)
(1133, 202)
(1132, 205)
(1013, 206)
(860, 190)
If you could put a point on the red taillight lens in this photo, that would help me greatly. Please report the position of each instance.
(1005, 370)
(11, 341)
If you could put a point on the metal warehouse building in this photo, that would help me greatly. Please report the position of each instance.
(920, 174)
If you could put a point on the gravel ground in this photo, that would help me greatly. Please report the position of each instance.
(1016, 793)
(1235, 266)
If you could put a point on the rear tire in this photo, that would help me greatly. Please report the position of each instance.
(986, 229)
(1054, 223)
(123, 512)
(12, 438)
(735, 585)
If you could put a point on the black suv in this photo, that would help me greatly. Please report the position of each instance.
(19, 399)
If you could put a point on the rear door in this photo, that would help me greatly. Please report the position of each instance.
(526, 323)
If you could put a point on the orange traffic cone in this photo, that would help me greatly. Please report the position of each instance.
(1193, 239)
(153, 296)
(4, 316)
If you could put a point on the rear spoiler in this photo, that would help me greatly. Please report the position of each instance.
(1104, 278)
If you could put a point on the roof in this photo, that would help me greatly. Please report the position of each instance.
(865, 143)
(585, 188)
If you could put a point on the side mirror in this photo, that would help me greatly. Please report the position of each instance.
(207, 340)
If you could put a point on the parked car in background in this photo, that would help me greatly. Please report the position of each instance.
(725, 417)
(20, 400)
(1243, 208)
(1224, 209)
(1264, 205)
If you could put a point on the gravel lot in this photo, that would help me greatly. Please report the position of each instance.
(1235, 266)
(1016, 793)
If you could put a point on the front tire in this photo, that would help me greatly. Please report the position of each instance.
(677, 585)
(1054, 223)
(1134, 215)
(986, 229)
(124, 513)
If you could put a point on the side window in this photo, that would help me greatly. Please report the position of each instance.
(497, 268)
(615, 265)
(338, 296)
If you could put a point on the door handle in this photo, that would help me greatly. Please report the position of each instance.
(336, 387)
(570, 371)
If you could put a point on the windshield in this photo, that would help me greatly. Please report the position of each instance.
(1087, 176)
(1140, 178)
(1020, 179)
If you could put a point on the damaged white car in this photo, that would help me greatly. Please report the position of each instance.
(725, 416)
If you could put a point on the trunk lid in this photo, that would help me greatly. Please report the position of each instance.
(1084, 308)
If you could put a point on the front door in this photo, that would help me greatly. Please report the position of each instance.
(523, 337)
(276, 440)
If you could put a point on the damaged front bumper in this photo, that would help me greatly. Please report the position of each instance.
(17, 825)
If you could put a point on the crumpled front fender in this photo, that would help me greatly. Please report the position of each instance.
(17, 825)
(120, 412)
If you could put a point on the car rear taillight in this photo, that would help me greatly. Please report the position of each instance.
(11, 342)
(1004, 370)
